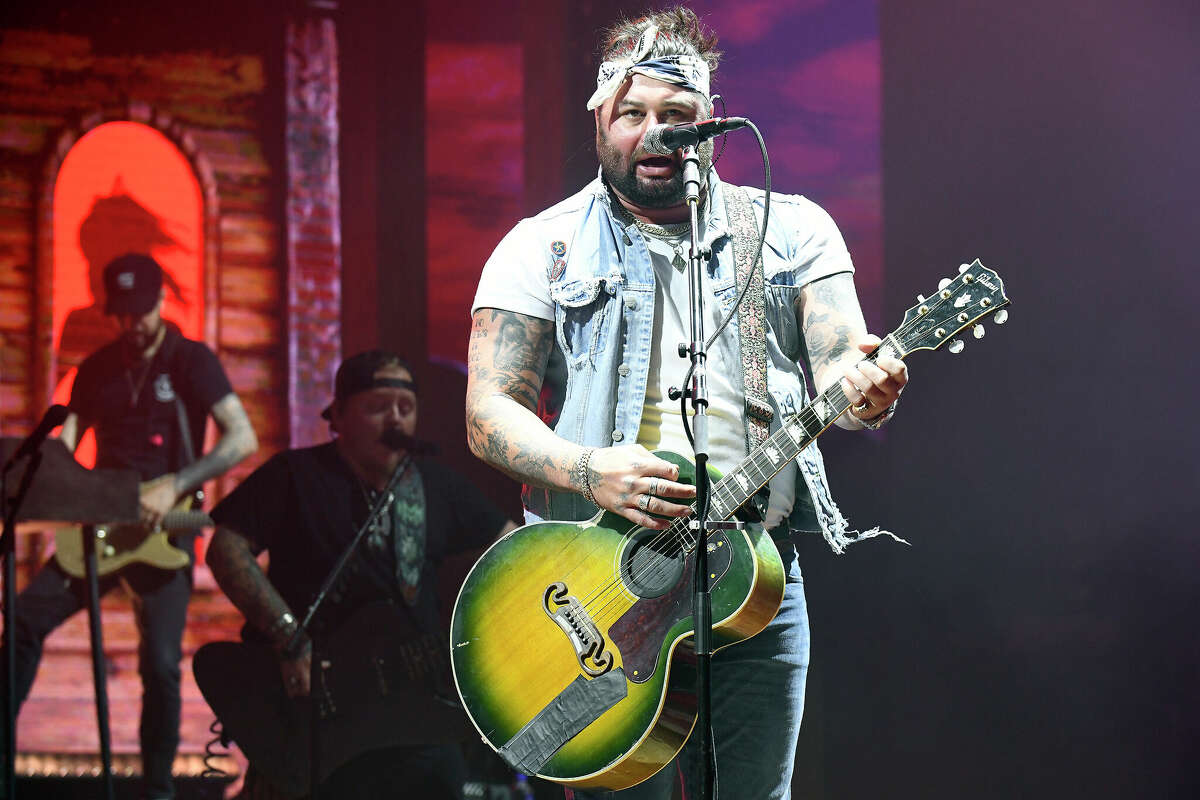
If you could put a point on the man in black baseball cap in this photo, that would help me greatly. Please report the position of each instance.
(132, 284)
(304, 506)
(133, 287)
(148, 396)
(358, 373)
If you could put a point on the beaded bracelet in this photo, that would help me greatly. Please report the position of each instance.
(876, 422)
(582, 475)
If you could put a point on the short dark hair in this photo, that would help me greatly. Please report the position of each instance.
(680, 32)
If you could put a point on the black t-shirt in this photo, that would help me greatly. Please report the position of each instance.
(132, 406)
(304, 506)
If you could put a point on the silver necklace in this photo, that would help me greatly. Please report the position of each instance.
(668, 234)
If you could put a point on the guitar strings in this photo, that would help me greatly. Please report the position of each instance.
(650, 563)
(838, 401)
(721, 493)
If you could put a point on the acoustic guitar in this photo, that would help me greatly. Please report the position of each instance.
(571, 641)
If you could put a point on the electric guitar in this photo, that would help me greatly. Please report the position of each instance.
(379, 683)
(571, 641)
(118, 546)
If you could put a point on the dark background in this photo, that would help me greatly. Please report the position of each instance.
(1038, 639)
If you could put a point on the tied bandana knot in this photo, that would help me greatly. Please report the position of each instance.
(689, 71)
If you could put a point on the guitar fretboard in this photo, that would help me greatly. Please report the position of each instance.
(782, 447)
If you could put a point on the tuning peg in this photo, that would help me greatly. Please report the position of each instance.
(920, 298)
(943, 283)
(956, 346)
(978, 331)
(1000, 317)
(963, 268)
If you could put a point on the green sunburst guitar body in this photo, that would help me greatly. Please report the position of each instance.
(556, 604)
(571, 641)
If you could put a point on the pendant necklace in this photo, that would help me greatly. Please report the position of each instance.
(670, 235)
(135, 388)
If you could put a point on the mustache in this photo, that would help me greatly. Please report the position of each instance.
(396, 439)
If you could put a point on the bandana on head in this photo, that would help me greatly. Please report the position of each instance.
(688, 71)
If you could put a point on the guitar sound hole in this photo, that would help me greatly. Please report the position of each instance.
(652, 564)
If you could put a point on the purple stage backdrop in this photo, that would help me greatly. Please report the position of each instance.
(806, 71)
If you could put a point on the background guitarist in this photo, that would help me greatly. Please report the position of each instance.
(304, 506)
(594, 288)
(128, 391)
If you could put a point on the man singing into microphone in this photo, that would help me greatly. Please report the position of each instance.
(596, 286)
(304, 507)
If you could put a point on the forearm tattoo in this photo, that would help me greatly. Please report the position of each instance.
(241, 578)
(832, 319)
(506, 362)
(237, 441)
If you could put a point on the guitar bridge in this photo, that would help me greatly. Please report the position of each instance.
(570, 615)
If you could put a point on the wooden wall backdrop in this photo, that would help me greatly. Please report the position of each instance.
(56, 87)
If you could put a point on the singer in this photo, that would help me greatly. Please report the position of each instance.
(304, 506)
(596, 284)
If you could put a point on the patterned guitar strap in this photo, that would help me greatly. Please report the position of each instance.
(743, 230)
(408, 532)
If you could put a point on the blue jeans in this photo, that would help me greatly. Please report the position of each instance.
(757, 703)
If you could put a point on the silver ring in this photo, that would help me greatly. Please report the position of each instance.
(644, 502)
(863, 406)
(653, 486)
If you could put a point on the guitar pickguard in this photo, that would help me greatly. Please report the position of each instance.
(638, 633)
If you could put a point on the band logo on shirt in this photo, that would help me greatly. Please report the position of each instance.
(164, 392)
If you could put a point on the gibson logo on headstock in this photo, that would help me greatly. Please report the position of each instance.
(988, 283)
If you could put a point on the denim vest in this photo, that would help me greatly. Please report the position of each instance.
(602, 292)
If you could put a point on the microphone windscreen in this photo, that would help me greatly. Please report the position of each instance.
(653, 142)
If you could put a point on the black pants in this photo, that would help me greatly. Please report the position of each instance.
(160, 605)
(435, 772)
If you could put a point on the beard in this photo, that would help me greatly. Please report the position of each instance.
(620, 173)
(139, 341)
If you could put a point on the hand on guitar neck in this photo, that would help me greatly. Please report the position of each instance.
(157, 497)
(118, 545)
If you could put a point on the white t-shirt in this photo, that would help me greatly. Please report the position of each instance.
(662, 424)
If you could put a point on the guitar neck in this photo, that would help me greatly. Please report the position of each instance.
(782, 447)
(184, 520)
(958, 304)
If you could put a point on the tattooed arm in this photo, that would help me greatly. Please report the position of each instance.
(506, 363)
(237, 572)
(836, 337)
(237, 441)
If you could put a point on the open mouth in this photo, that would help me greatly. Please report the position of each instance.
(656, 166)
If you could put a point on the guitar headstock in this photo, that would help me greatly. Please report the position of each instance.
(958, 304)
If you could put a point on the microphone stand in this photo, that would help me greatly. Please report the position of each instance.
(701, 524)
(383, 501)
(8, 548)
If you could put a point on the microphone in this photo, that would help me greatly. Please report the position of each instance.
(663, 140)
(56, 415)
(396, 439)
